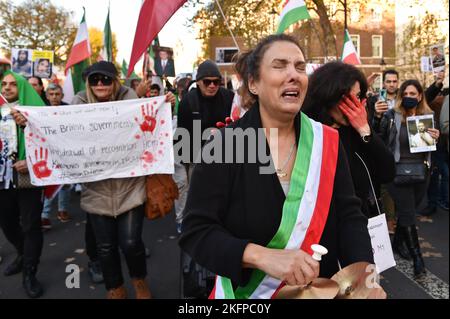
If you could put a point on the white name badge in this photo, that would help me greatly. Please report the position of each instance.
(381, 244)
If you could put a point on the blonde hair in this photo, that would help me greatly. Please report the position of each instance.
(422, 108)
(93, 99)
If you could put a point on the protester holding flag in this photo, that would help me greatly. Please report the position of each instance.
(238, 220)
(336, 97)
(115, 206)
(20, 217)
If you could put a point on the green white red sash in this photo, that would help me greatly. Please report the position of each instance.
(305, 210)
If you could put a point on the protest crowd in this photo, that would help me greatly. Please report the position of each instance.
(342, 154)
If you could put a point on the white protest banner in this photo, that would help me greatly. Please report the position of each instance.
(92, 142)
(381, 244)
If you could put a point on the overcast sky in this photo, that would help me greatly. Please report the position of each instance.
(124, 16)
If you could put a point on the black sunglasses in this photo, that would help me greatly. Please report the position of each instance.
(95, 78)
(207, 82)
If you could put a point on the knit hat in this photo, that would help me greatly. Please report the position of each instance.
(208, 69)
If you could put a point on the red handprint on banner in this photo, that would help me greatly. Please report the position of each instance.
(40, 168)
(149, 115)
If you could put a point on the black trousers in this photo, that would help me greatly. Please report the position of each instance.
(407, 198)
(20, 220)
(125, 232)
(89, 239)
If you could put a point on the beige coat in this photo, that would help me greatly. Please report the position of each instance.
(112, 197)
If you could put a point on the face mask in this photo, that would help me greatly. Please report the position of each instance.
(409, 102)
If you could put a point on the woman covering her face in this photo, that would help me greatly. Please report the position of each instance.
(252, 222)
(336, 97)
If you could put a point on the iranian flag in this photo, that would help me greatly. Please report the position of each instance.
(125, 71)
(349, 54)
(152, 18)
(3, 100)
(293, 11)
(77, 62)
(107, 54)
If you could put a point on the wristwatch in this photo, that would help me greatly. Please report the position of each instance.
(366, 138)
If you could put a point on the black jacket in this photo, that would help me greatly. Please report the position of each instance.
(194, 106)
(376, 156)
(231, 205)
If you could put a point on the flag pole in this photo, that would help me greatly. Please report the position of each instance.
(228, 26)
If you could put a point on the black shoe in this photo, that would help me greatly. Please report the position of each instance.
(428, 211)
(32, 286)
(412, 242)
(15, 267)
(399, 246)
(95, 272)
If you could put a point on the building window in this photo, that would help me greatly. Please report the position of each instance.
(377, 14)
(377, 46)
(355, 40)
(354, 14)
(225, 55)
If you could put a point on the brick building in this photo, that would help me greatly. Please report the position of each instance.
(371, 26)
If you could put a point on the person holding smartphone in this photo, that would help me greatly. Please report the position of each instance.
(379, 104)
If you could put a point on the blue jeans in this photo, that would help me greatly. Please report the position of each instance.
(438, 188)
(63, 201)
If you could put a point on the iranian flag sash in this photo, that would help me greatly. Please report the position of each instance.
(305, 210)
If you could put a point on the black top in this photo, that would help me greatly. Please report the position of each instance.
(377, 157)
(405, 151)
(194, 106)
(231, 205)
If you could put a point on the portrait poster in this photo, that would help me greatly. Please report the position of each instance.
(42, 63)
(437, 57)
(21, 62)
(420, 139)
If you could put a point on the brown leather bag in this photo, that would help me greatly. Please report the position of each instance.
(161, 194)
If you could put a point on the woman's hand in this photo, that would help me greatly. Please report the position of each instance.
(143, 87)
(170, 98)
(294, 267)
(18, 117)
(356, 113)
(21, 167)
(434, 133)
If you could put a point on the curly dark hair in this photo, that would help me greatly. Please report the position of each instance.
(326, 87)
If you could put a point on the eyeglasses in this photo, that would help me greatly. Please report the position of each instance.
(208, 82)
(95, 78)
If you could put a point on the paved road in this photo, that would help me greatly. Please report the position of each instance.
(64, 245)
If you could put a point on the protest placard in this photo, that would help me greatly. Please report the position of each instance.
(42, 64)
(437, 58)
(21, 62)
(419, 138)
(92, 142)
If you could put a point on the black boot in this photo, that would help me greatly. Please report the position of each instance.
(412, 242)
(32, 286)
(398, 244)
(15, 267)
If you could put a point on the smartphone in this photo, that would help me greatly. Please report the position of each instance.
(383, 95)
